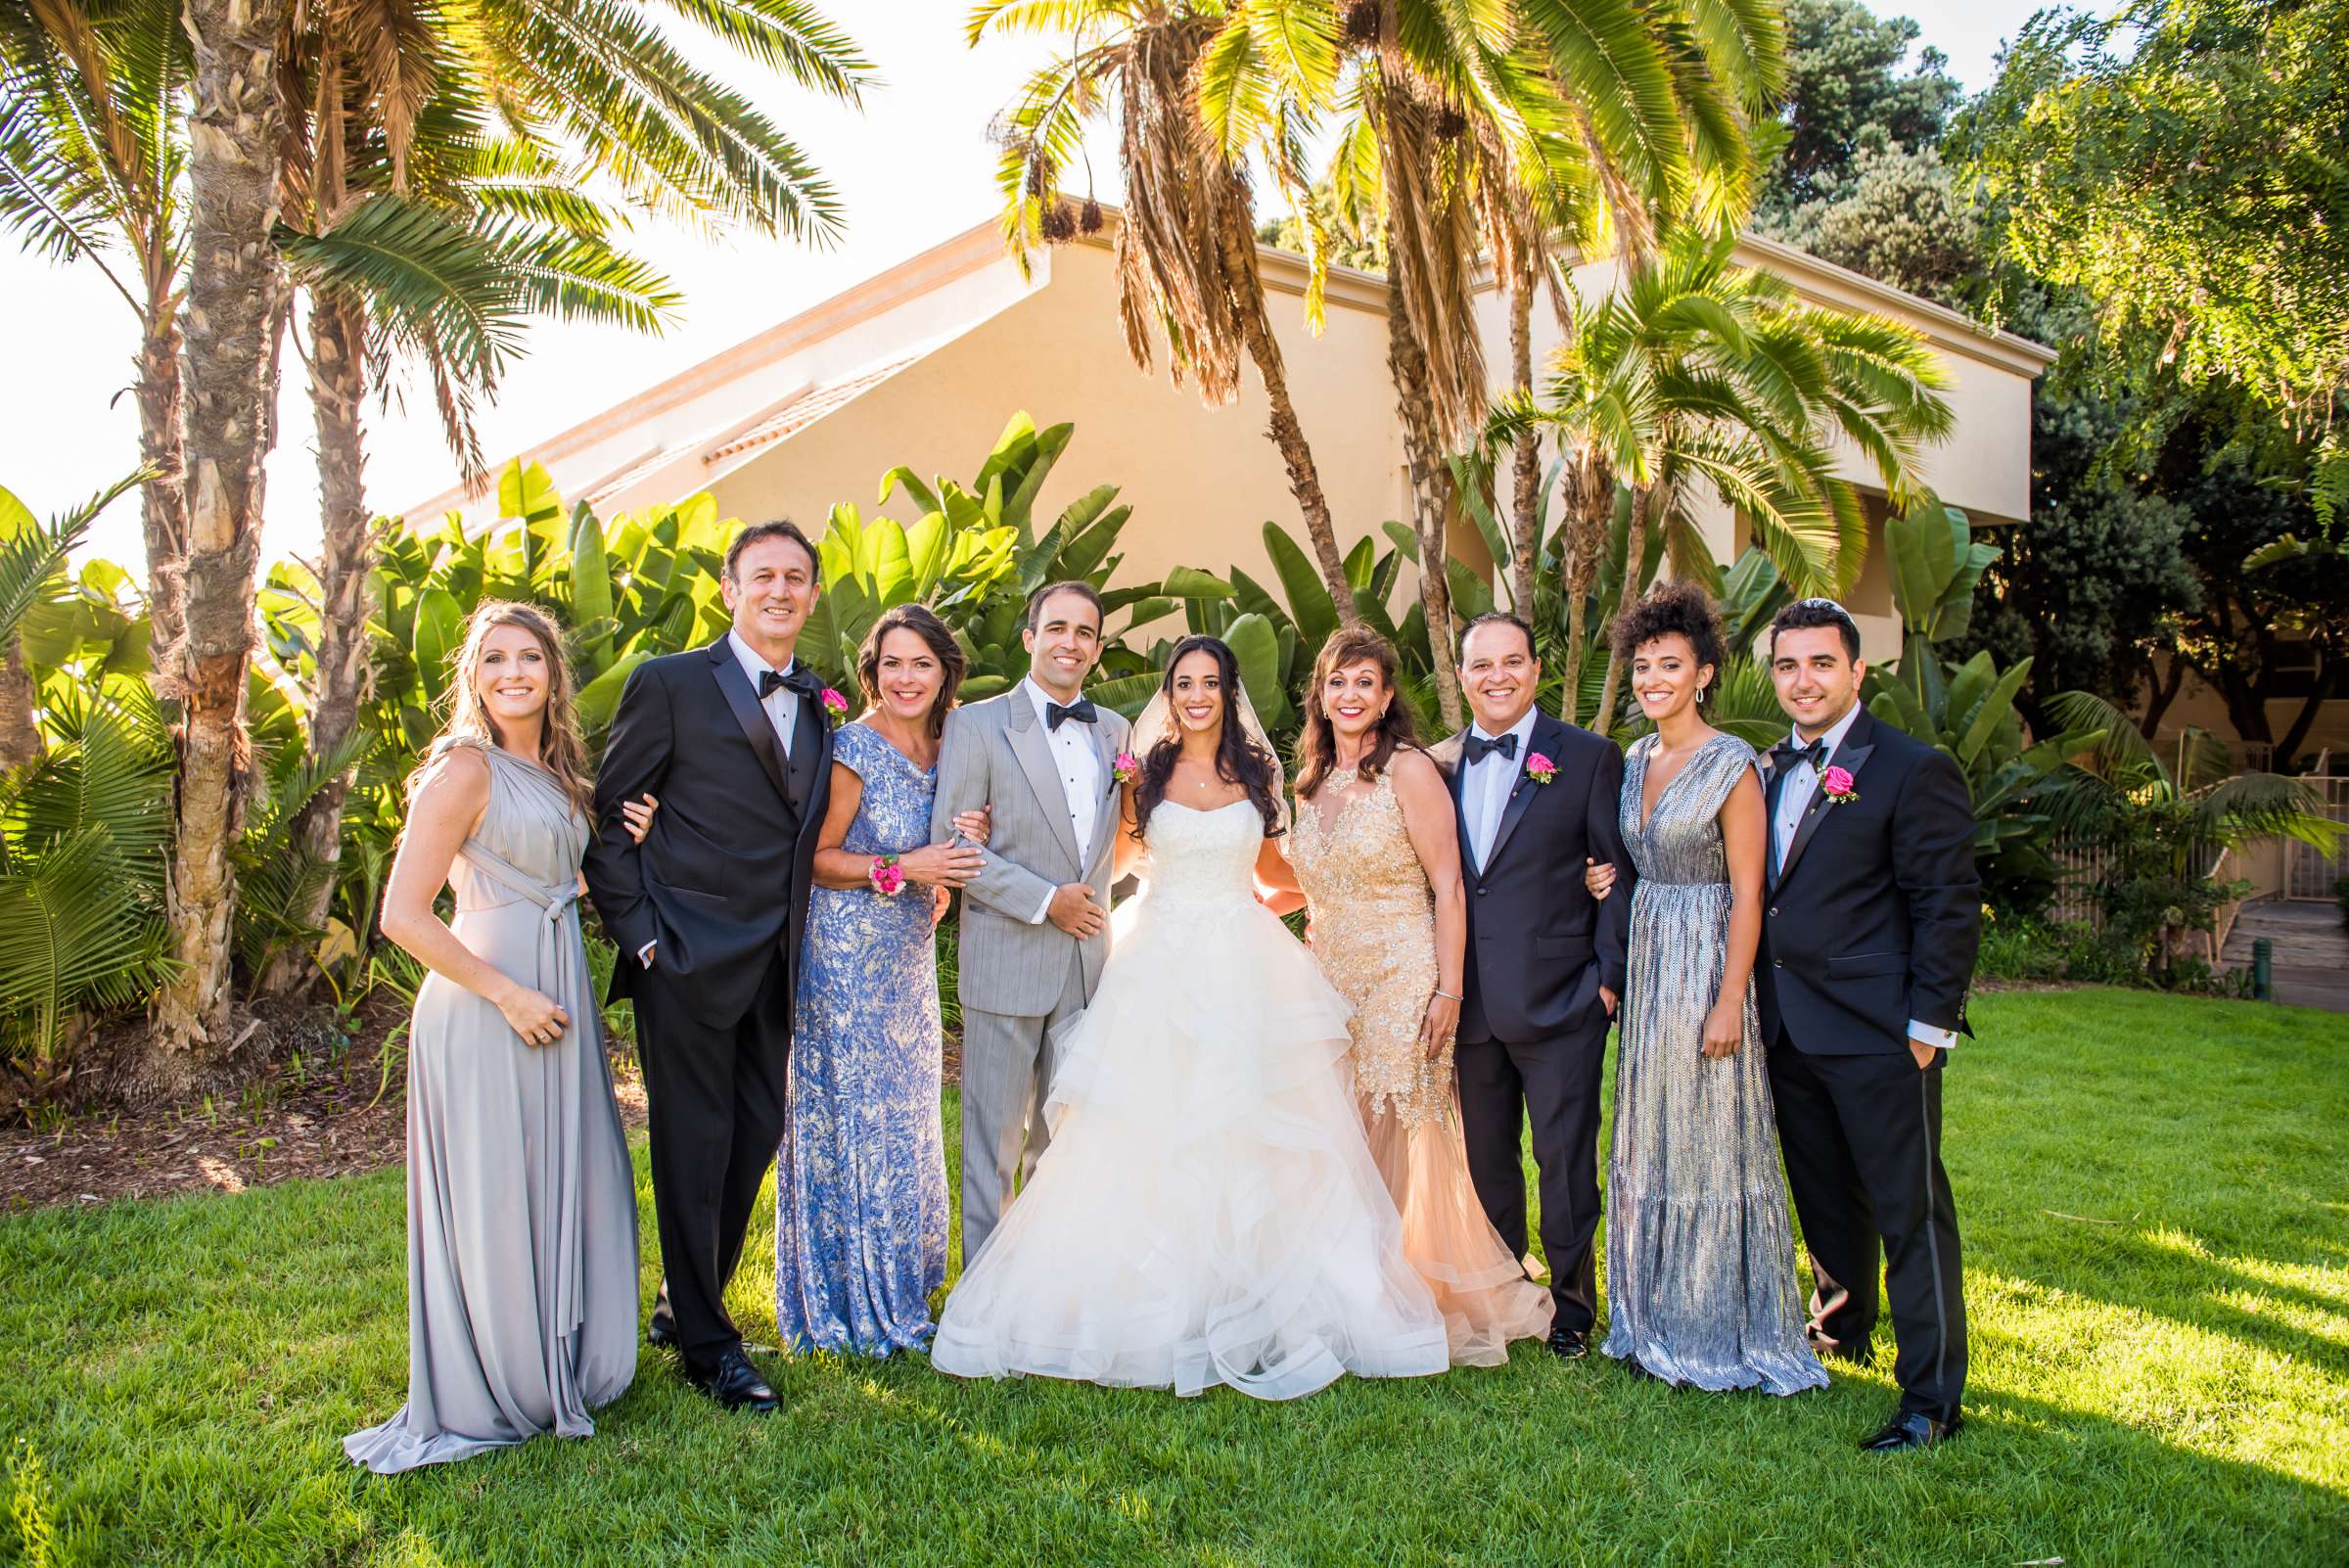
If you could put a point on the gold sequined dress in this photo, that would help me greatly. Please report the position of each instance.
(1374, 933)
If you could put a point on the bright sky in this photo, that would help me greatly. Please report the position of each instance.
(913, 169)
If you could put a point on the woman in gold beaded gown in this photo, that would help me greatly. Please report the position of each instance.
(1375, 849)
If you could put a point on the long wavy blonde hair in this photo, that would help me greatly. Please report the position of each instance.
(561, 752)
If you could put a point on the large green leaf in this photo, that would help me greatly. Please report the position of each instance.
(1310, 605)
(1257, 647)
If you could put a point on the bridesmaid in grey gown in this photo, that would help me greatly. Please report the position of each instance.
(522, 1199)
(1700, 1254)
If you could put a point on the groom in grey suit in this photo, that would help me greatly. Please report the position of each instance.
(1036, 919)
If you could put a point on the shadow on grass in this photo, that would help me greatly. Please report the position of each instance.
(2169, 1389)
(188, 1369)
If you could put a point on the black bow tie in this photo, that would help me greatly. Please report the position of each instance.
(1478, 748)
(1082, 711)
(1786, 754)
(800, 681)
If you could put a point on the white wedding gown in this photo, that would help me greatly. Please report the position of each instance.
(1207, 1210)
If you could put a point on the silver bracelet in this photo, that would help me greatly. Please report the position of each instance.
(1446, 995)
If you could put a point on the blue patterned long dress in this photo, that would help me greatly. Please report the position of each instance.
(1700, 1255)
(861, 1183)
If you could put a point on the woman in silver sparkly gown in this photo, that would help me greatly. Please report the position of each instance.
(1700, 1254)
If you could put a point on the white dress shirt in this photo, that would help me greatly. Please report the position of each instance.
(1802, 782)
(1077, 759)
(782, 711)
(1794, 799)
(1484, 787)
(782, 704)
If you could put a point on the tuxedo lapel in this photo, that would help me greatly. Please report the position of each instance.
(810, 737)
(1541, 738)
(1033, 748)
(1105, 815)
(742, 699)
(1857, 743)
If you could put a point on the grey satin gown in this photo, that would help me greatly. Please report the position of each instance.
(522, 1199)
(1700, 1253)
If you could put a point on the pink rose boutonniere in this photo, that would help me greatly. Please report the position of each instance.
(1539, 768)
(1125, 767)
(836, 707)
(1836, 785)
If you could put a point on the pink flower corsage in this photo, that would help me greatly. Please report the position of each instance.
(1836, 785)
(1125, 767)
(1539, 768)
(887, 876)
(835, 705)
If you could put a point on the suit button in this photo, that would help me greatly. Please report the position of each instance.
(1480, 892)
(1777, 963)
(1774, 911)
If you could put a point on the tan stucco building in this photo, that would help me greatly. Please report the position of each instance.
(923, 364)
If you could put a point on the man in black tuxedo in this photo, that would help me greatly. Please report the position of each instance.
(734, 743)
(1867, 945)
(1545, 960)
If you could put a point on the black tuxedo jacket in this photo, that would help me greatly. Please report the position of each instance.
(1874, 916)
(721, 881)
(1539, 944)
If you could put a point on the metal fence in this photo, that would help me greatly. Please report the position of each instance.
(2084, 866)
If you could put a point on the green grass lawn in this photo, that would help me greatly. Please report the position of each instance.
(2166, 1384)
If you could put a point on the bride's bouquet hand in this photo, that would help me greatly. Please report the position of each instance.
(1439, 1025)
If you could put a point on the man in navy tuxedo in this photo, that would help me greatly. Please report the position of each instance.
(1873, 917)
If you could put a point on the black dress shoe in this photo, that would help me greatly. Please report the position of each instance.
(735, 1384)
(1569, 1344)
(660, 1335)
(1910, 1429)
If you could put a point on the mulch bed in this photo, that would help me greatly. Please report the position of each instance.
(318, 1108)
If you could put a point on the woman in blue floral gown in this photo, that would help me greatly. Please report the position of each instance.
(861, 1180)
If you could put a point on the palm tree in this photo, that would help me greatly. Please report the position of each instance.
(1478, 124)
(92, 159)
(1700, 375)
(234, 301)
(1190, 85)
(592, 75)
(2171, 817)
(419, 238)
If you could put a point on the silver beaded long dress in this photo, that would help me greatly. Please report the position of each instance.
(1700, 1254)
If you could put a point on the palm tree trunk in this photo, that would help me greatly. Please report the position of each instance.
(162, 499)
(1526, 540)
(1581, 531)
(1286, 432)
(236, 284)
(1635, 551)
(20, 734)
(1430, 499)
(338, 386)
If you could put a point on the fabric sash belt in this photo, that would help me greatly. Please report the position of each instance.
(557, 902)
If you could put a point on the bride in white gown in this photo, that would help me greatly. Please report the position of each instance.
(1207, 1210)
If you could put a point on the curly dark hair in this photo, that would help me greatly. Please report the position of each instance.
(1675, 607)
(1238, 758)
(924, 624)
